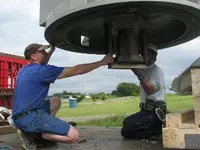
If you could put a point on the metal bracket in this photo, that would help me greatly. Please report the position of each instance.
(128, 46)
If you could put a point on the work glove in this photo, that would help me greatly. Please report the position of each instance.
(139, 73)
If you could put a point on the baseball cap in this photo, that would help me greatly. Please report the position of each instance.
(152, 47)
(33, 48)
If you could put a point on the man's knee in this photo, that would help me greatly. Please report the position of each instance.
(126, 121)
(126, 130)
(123, 133)
(73, 134)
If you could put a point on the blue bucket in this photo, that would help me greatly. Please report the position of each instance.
(72, 103)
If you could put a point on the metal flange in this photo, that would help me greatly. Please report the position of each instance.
(167, 22)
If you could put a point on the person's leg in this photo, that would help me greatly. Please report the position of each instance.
(52, 105)
(48, 126)
(156, 129)
(72, 136)
(55, 104)
(25, 136)
(134, 126)
(55, 129)
(142, 125)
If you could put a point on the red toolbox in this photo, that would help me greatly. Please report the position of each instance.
(9, 65)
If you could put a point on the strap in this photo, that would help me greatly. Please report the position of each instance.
(161, 115)
(158, 107)
(18, 116)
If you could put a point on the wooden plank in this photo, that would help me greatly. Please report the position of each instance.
(6, 130)
(196, 103)
(188, 125)
(195, 75)
(176, 120)
(197, 117)
(173, 120)
(197, 109)
(187, 115)
(181, 138)
(171, 138)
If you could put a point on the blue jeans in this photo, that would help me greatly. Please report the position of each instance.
(141, 125)
(41, 121)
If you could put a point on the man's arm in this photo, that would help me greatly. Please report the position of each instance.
(148, 87)
(85, 68)
(50, 52)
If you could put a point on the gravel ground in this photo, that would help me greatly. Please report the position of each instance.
(92, 138)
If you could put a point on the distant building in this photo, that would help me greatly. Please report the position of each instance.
(87, 97)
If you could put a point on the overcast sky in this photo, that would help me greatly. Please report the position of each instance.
(19, 26)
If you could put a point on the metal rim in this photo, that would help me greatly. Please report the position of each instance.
(189, 11)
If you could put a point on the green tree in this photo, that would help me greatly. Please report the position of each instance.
(127, 89)
(58, 95)
(65, 93)
(79, 98)
(116, 93)
(93, 97)
(102, 96)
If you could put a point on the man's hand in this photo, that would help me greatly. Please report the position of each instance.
(52, 47)
(139, 73)
(50, 52)
(108, 59)
(146, 85)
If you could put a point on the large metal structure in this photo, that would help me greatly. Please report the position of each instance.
(123, 27)
(183, 83)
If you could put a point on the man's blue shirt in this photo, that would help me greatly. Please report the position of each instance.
(32, 86)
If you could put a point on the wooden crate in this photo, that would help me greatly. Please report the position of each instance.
(5, 128)
(182, 129)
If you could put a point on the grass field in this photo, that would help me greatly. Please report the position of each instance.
(89, 100)
(174, 103)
